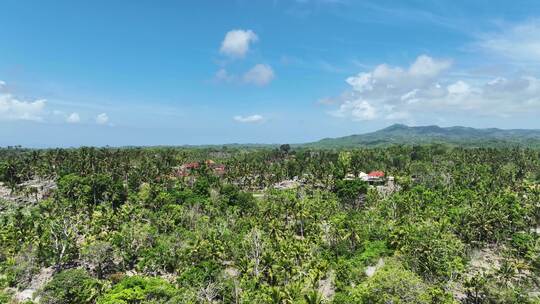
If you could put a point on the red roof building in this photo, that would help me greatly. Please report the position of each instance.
(376, 174)
(193, 165)
(219, 169)
(187, 168)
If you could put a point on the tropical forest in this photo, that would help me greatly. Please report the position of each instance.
(269, 152)
(396, 224)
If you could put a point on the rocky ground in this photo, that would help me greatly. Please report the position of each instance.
(31, 191)
(38, 282)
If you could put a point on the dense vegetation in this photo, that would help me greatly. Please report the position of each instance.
(456, 136)
(129, 226)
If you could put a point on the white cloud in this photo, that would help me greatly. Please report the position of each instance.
(236, 42)
(385, 77)
(459, 88)
(255, 118)
(425, 66)
(410, 96)
(12, 108)
(398, 93)
(73, 118)
(356, 109)
(519, 42)
(222, 75)
(260, 75)
(102, 119)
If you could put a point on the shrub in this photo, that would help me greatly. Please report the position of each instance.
(349, 191)
(392, 284)
(71, 286)
(140, 290)
(430, 250)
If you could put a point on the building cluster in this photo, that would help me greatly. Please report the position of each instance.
(372, 177)
(188, 168)
(384, 185)
(289, 183)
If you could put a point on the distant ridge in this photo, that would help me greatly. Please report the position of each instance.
(399, 134)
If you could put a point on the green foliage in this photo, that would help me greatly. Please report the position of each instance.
(285, 148)
(349, 191)
(431, 250)
(71, 286)
(235, 197)
(202, 187)
(524, 243)
(99, 256)
(5, 297)
(228, 236)
(392, 284)
(198, 275)
(351, 271)
(20, 270)
(133, 290)
(459, 136)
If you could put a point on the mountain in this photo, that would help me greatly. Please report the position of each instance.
(399, 134)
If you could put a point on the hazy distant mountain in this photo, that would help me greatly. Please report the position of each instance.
(463, 136)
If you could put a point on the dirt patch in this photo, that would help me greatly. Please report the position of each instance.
(370, 270)
(37, 284)
(486, 260)
(326, 286)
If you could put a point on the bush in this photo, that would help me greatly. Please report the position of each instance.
(523, 243)
(98, 256)
(430, 250)
(21, 269)
(349, 191)
(141, 290)
(5, 297)
(352, 271)
(71, 286)
(392, 284)
(234, 197)
(199, 274)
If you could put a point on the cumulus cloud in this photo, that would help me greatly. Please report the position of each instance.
(388, 78)
(12, 108)
(400, 93)
(102, 119)
(255, 118)
(73, 118)
(425, 66)
(260, 75)
(236, 43)
(356, 109)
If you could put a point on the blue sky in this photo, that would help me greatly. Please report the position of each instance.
(210, 72)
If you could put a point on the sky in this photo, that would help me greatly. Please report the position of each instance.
(117, 73)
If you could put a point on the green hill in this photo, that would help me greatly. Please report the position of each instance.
(461, 136)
